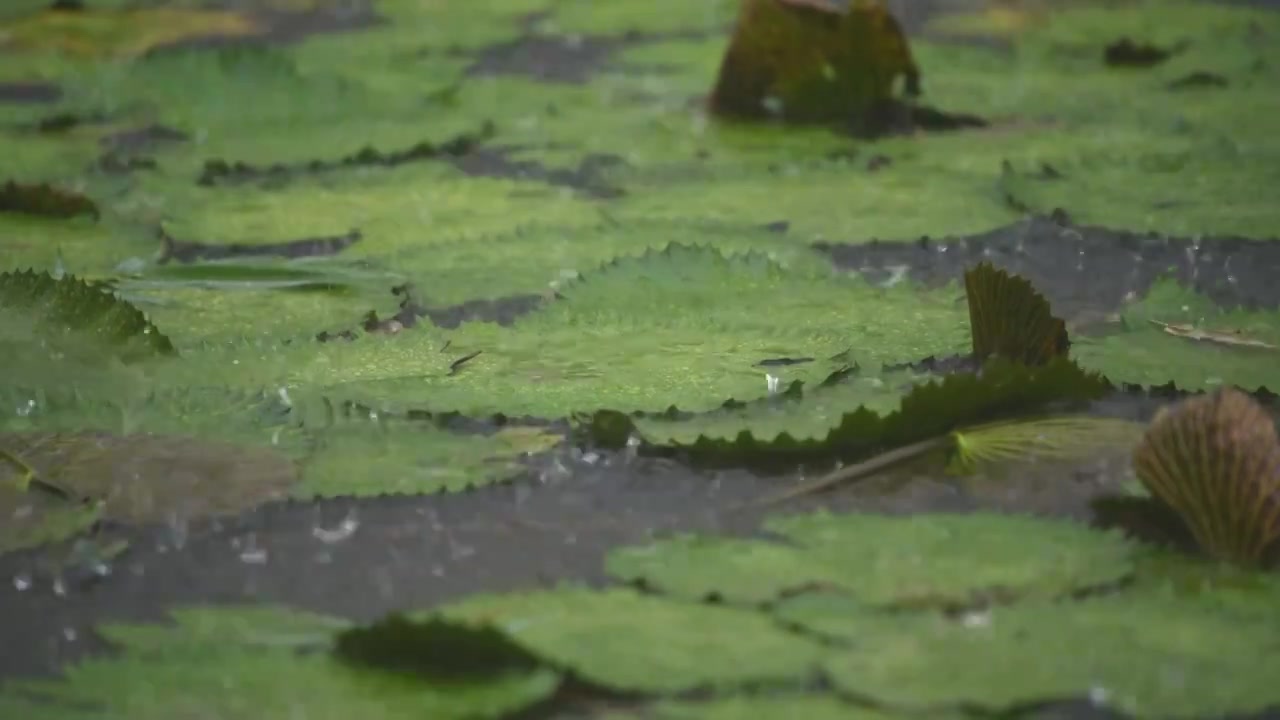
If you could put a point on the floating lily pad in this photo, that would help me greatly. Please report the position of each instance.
(244, 664)
(1151, 656)
(811, 411)
(408, 207)
(147, 478)
(1143, 352)
(625, 641)
(925, 560)
(404, 456)
(685, 325)
(69, 311)
(928, 411)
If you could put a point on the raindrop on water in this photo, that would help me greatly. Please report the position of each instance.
(252, 554)
(345, 530)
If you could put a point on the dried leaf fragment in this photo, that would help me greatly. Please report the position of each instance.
(1215, 460)
(1192, 332)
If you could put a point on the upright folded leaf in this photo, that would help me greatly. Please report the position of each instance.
(1215, 460)
(1010, 319)
(813, 61)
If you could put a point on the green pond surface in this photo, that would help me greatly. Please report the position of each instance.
(463, 261)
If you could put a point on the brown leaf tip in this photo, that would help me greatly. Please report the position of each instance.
(1215, 460)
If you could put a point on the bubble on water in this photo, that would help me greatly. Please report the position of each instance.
(976, 619)
(70, 634)
(22, 582)
(590, 458)
(26, 409)
(771, 383)
(1098, 695)
(59, 587)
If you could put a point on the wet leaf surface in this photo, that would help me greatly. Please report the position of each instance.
(922, 561)
(606, 242)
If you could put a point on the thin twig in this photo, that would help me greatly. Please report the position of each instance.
(858, 470)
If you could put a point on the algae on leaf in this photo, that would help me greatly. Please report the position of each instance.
(942, 561)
